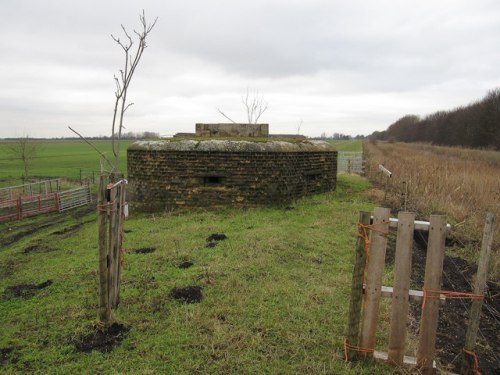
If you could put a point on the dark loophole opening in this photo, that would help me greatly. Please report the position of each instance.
(212, 180)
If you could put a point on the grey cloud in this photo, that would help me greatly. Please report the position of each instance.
(62, 51)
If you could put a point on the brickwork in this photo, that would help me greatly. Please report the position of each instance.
(163, 178)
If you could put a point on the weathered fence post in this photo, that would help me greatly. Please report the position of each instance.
(374, 273)
(432, 281)
(112, 247)
(355, 305)
(400, 295)
(102, 207)
(121, 221)
(479, 286)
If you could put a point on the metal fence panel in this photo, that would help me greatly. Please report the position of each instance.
(350, 162)
(73, 198)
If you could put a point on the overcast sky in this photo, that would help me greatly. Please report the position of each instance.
(350, 67)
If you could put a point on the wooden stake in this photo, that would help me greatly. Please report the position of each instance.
(479, 286)
(104, 308)
(374, 273)
(119, 234)
(357, 285)
(112, 247)
(400, 295)
(432, 281)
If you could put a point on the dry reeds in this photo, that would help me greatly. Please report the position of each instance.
(461, 183)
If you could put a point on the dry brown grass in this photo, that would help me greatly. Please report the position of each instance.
(461, 183)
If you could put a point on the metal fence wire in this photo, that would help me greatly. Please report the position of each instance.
(350, 162)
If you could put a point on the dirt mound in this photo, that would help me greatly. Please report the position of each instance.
(145, 250)
(214, 238)
(189, 294)
(25, 290)
(102, 340)
(185, 265)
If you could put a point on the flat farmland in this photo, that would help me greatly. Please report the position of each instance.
(58, 158)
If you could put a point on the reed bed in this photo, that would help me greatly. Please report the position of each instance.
(461, 183)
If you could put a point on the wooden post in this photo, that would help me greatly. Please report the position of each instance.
(104, 307)
(401, 291)
(120, 227)
(357, 285)
(374, 273)
(432, 281)
(19, 204)
(479, 286)
(112, 246)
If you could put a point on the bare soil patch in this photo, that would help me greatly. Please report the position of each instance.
(70, 229)
(217, 237)
(189, 294)
(185, 265)
(145, 250)
(214, 238)
(103, 340)
(25, 290)
(7, 355)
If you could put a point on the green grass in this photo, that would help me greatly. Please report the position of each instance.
(351, 145)
(276, 292)
(59, 158)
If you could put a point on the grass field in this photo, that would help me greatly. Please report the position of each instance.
(351, 145)
(58, 158)
(276, 292)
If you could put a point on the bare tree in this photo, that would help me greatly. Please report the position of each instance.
(255, 106)
(24, 149)
(299, 126)
(132, 58)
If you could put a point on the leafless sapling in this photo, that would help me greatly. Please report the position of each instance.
(24, 149)
(255, 106)
(132, 58)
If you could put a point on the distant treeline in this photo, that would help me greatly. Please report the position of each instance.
(339, 137)
(476, 125)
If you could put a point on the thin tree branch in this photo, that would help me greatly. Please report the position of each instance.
(223, 114)
(91, 145)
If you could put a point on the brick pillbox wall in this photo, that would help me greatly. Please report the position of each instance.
(164, 175)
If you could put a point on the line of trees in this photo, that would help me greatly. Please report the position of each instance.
(341, 136)
(476, 125)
